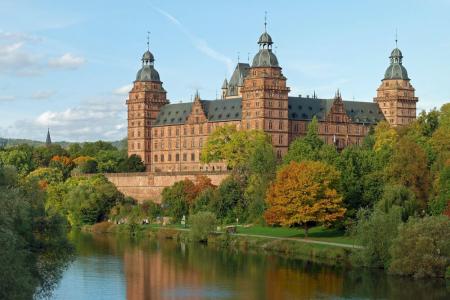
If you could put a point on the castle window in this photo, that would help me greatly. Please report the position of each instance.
(326, 128)
(270, 113)
(162, 132)
(257, 125)
(248, 125)
(178, 131)
(278, 153)
(139, 133)
(192, 156)
(200, 142)
(296, 127)
(196, 119)
(184, 130)
(178, 144)
(280, 125)
(280, 114)
(156, 145)
(177, 157)
(270, 124)
(169, 157)
(280, 104)
(280, 139)
(201, 129)
(192, 143)
(192, 130)
(156, 158)
(132, 146)
(184, 143)
(257, 104)
(270, 103)
(162, 157)
(139, 145)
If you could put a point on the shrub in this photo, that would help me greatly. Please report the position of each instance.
(202, 224)
(375, 232)
(422, 247)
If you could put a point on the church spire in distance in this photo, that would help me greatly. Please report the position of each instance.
(48, 140)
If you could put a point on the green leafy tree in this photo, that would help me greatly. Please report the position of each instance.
(311, 147)
(174, 201)
(202, 224)
(228, 202)
(133, 163)
(33, 243)
(375, 232)
(398, 196)
(422, 247)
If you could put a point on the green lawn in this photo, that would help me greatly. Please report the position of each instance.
(318, 233)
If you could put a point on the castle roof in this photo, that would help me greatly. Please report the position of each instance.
(300, 108)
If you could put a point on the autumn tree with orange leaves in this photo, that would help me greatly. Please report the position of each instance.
(304, 194)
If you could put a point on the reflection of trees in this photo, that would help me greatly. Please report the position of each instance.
(161, 269)
(369, 283)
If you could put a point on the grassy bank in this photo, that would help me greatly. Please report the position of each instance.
(280, 241)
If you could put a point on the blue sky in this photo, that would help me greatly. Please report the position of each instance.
(69, 64)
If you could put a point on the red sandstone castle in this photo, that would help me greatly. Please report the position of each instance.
(169, 137)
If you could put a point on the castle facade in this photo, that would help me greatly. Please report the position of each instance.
(169, 137)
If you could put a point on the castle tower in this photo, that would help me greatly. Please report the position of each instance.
(265, 96)
(395, 96)
(144, 102)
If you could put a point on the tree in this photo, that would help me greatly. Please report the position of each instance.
(228, 202)
(133, 163)
(46, 176)
(399, 196)
(385, 136)
(427, 241)
(63, 163)
(33, 243)
(233, 146)
(311, 147)
(375, 231)
(21, 159)
(304, 194)
(441, 197)
(174, 201)
(202, 224)
(408, 167)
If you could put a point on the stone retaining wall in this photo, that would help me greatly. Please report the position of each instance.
(149, 185)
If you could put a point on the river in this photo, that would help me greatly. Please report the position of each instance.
(107, 267)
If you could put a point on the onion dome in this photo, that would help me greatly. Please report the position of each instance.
(147, 72)
(265, 39)
(265, 58)
(396, 70)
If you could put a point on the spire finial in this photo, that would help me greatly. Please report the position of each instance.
(396, 37)
(148, 40)
(248, 57)
(238, 56)
(265, 21)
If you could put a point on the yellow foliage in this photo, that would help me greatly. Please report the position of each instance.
(385, 135)
(303, 193)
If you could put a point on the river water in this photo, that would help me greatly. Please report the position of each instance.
(118, 268)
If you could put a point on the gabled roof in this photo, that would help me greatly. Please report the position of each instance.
(300, 108)
(215, 110)
(359, 112)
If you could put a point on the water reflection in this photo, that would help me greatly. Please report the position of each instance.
(112, 268)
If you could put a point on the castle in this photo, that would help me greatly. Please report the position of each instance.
(169, 137)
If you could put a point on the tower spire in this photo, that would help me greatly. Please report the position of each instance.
(396, 38)
(265, 21)
(148, 40)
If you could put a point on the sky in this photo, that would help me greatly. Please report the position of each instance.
(68, 65)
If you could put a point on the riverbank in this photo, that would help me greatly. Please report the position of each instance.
(326, 247)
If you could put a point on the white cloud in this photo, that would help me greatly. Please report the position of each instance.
(66, 61)
(7, 98)
(42, 95)
(123, 90)
(103, 118)
(199, 43)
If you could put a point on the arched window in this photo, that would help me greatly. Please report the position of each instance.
(270, 124)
